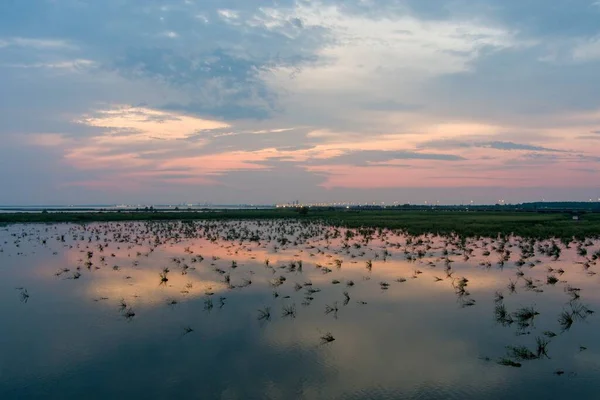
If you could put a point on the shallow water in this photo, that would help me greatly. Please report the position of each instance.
(198, 336)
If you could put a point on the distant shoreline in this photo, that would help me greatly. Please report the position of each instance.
(539, 224)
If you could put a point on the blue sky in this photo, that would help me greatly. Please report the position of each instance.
(270, 101)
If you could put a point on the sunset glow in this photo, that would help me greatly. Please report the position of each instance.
(232, 102)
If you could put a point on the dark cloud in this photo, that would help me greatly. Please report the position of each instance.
(366, 157)
(217, 64)
(497, 145)
(516, 146)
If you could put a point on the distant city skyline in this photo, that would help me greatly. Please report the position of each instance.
(231, 102)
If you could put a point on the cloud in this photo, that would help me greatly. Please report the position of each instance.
(37, 43)
(496, 145)
(143, 124)
(587, 50)
(375, 156)
(71, 65)
(350, 93)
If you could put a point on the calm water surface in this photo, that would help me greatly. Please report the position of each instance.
(333, 314)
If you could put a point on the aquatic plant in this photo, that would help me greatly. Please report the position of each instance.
(565, 320)
(264, 313)
(129, 314)
(23, 295)
(331, 308)
(541, 345)
(163, 275)
(289, 311)
(346, 298)
(327, 338)
(501, 315)
(521, 353)
(525, 314)
(498, 297)
(509, 363)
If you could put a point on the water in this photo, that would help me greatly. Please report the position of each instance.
(197, 336)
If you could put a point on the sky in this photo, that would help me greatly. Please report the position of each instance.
(238, 101)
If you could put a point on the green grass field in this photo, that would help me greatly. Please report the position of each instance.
(529, 224)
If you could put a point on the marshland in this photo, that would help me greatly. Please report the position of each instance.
(299, 307)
